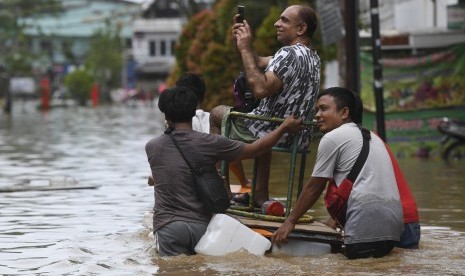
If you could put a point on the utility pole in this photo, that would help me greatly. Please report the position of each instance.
(5, 87)
(352, 46)
(377, 69)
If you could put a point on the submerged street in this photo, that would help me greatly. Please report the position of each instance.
(100, 232)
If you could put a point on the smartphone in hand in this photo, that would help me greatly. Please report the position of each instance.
(241, 12)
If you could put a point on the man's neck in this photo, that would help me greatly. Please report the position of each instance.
(183, 125)
(301, 40)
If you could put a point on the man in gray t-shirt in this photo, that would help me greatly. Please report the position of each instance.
(374, 218)
(180, 219)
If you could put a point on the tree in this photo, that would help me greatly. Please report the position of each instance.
(105, 60)
(190, 45)
(265, 42)
(206, 48)
(15, 56)
(79, 83)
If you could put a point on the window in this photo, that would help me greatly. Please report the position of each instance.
(152, 48)
(163, 48)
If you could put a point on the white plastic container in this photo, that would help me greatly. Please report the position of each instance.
(226, 235)
(301, 248)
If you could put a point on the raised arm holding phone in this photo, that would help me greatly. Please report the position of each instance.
(272, 79)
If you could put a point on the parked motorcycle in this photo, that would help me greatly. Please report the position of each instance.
(453, 141)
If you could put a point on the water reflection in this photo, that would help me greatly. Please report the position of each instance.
(100, 232)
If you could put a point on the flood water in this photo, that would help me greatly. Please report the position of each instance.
(100, 231)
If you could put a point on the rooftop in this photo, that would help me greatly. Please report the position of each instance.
(82, 18)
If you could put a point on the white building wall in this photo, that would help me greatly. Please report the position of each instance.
(419, 14)
(407, 15)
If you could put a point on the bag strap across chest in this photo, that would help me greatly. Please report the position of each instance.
(194, 171)
(362, 157)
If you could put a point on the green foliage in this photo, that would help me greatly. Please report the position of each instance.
(220, 66)
(19, 63)
(255, 11)
(206, 48)
(79, 83)
(204, 35)
(265, 42)
(104, 60)
(187, 38)
(15, 56)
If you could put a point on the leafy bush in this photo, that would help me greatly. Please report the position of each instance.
(79, 83)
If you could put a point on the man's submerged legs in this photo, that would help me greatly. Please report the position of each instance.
(369, 249)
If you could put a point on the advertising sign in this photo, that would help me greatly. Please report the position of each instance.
(418, 92)
(417, 82)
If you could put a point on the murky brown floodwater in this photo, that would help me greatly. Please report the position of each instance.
(100, 231)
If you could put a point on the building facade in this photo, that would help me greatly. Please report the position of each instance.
(155, 35)
(62, 40)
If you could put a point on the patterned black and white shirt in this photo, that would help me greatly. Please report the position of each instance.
(298, 67)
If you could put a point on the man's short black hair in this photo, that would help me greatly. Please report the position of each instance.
(193, 82)
(308, 16)
(178, 103)
(344, 97)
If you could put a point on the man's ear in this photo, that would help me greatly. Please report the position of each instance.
(302, 29)
(168, 122)
(345, 113)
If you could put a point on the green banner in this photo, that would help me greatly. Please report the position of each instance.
(413, 134)
(433, 80)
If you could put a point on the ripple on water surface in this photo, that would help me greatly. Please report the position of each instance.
(100, 231)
